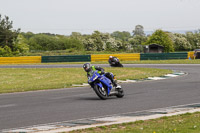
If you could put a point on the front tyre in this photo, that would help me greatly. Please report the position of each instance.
(101, 92)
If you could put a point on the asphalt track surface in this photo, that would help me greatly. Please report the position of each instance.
(42, 107)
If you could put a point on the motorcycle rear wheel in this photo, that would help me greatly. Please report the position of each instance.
(120, 65)
(120, 93)
(101, 92)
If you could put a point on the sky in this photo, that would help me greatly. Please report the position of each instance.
(86, 16)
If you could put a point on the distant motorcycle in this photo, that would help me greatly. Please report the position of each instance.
(115, 63)
(103, 86)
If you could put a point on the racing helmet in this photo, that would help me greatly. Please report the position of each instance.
(86, 67)
(110, 57)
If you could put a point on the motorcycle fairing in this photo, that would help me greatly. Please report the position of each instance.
(103, 80)
(106, 82)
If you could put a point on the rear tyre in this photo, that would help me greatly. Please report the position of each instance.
(101, 92)
(120, 93)
(120, 65)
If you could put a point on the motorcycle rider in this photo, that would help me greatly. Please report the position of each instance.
(88, 68)
(111, 60)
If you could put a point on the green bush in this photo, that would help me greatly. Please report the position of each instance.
(161, 38)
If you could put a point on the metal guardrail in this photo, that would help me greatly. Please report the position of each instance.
(96, 57)
(20, 60)
(122, 57)
(163, 56)
(67, 58)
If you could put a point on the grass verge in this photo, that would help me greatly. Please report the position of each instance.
(29, 79)
(185, 123)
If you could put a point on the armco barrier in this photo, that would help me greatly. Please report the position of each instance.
(122, 57)
(163, 56)
(96, 57)
(66, 58)
(20, 60)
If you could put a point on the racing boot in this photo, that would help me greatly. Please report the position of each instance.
(114, 82)
(117, 87)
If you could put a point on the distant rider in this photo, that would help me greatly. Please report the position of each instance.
(88, 68)
(111, 60)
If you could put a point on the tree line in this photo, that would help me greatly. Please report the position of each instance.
(16, 43)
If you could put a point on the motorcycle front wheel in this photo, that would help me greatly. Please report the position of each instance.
(101, 92)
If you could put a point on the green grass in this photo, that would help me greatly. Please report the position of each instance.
(70, 52)
(29, 79)
(185, 123)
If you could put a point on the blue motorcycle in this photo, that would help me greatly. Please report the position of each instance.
(103, 86)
